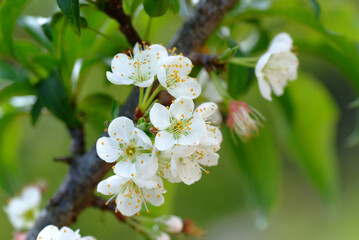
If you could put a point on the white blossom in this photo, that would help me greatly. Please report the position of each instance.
(139, 69)
(51, 232)
(173, 75)
(126, 144)
(277, 66)
(176, 125)
(24, 209)
(132, 192)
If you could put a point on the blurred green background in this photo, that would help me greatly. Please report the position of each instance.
(221, 202)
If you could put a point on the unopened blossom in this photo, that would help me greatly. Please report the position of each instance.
(163, 236)
(244, 120)
(51, 232)
(132, 192)
(177, 124)
(173, 75)
(23, 210)
(174, 224)
(128, 145)
(277, 66)
(139, 69)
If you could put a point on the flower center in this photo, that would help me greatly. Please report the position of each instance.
(180, 127)
(29, 215)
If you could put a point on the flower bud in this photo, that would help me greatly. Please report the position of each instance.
(163, 236)
(244, 120)
(174, 224)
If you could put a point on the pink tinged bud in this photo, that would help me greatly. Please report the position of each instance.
(244, 120)
(174, 224)
(19, 236)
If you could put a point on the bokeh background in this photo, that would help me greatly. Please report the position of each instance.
(219, 203)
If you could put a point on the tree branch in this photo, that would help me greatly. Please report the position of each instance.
(76, 192)
(114, 9)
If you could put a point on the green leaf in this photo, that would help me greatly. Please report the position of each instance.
(36, 111)
(353, 139)
(52, 94)
(155, 8)
(115, 109)
(310, 138)
(72, 13)
(11, 73)
(238, 77)
(15, 89)
(9, 12)
(34, 27)
(12, 129)
(259, 166)
(175, 6)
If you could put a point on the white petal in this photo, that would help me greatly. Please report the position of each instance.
(48, 233)
(159, 51)
(135, 49)
(209, 159)
(146, 166)
(120, 64)
(107, 149)
(129, 206)
(164, 140)
(261, 64)
(183, 107)
(206, 110)
(180, 64)
(282, 37)
(125, 168)
(118, 79)
(142, 139)
(154, 197)
(160, 116)
(161, 76)
(190, 88)
(214, 133)
(88, 238)
(146, 83)
(198, 129)
(189, 172)
(121, 128)
(264, 89)
(32, 196)
(111, 185)
(66, 233)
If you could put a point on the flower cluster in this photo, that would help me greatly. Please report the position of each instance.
(173, 142)
(277, 66)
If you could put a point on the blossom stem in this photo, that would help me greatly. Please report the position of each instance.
(221, 90)
(140, 100)
(154, 94)
(147, 94)
(246, 62)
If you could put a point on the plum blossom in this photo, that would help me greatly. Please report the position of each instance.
(51, 232)
(176, 125)
(139, 69)
(277, 66)
(23, 210)
(163, 236)
(173, 75)
(132, 192)
(244, 120)
(128, 145)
